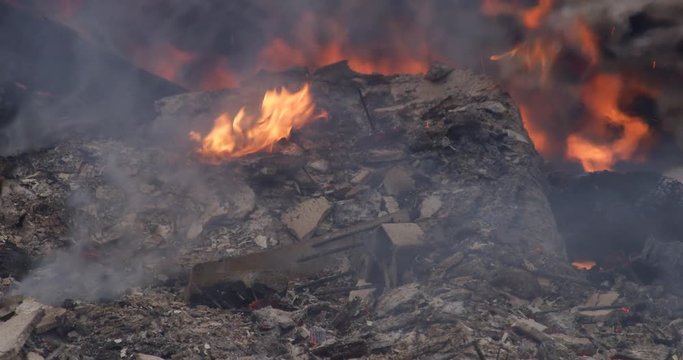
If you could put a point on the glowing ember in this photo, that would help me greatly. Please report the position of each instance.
(601, 97)
(243, 134)
(583, 265)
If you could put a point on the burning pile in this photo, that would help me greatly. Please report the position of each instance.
(606, 134)
(281, 111)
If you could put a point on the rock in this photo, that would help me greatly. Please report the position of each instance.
(398, 299)
(580, 346)
(398, 180)
(50, 319)
(360, 176)
(599, 299)
(304, 218)
(270, 317)
(34, 356)
(430, 206)
(15, 331)
(261, 241)
(364, 295)
(390, 204)
(147, 357)
(385, 155)
(531, 329)
(320, 166)
(438, 72)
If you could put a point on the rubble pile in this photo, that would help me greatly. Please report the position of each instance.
(412, 223)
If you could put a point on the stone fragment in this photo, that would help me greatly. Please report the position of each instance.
(321, 166)
(360, 176)
(34, 356)
(385, 155)
(390, 204)
(580, 346)
(430, 206)
(16, 330)
(304, 218)
(597, 300)
(438, 72)
(50, 319)
(531, 329)
(364, 295)
(398, 180)
(270, 317)
(147, 357)
(261, 241)
(404, 234)
(398, 299)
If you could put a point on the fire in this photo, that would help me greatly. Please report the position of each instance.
(394, 55)
(233, 137)
(601, 97)
(165, 61)
(539, 138)
(607, 134)
(532, 17)
(584, 265)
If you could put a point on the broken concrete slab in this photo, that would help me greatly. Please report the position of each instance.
(50, 319)
(430, 206)
(304, 218)
(34, 356)
(599, 300)
(147, 357)
(390, 204)
(531, 329)
(398, 180)
(15, 331)
(404, 234)
(270, 317)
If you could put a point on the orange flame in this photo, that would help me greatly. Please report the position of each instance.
(164, 60)
(583, 265)
(601, 97)
(243, 134)
(538, 137)
(395, 55)
(532, 17)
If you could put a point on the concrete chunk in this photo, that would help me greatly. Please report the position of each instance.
(398, 180)
(50, 319)
(15, 331)
(304, 218)
(596, 300)
(147, 357)
(404, 234)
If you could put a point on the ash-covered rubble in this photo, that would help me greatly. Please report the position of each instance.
(444, 242)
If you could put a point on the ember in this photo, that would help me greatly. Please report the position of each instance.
(583, 265)
(243, 134)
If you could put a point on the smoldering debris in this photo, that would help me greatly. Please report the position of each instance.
(480, 271)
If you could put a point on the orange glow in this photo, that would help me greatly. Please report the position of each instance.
(165, 61)
(243, 134)
(538, 137)
(589, 146)
(532, 17)
(583, 265)
(588, 43)
(279, 55)
(537, 55)
(394, 55)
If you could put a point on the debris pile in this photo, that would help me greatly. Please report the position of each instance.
(413, 221)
